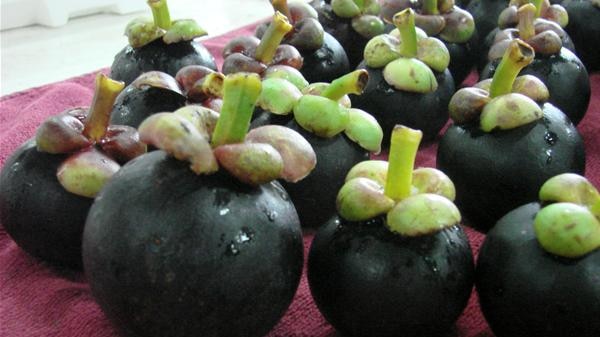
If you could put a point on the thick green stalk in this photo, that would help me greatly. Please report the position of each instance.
(538, 7)
(282, 7)
(526, 15)
(430, 7)
(517, 56)
(160, 13)
(98, 116)
(403, 151)
(351, 83)
(272, 38)
(240, 93)
(405, 22)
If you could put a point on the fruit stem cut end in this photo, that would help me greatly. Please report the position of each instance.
(272, 37)
(160, 13)
(351, 83)
(517, 56)
(282, 7)
(526, 14)
(240, 93)
(98, 117)
(403, 151)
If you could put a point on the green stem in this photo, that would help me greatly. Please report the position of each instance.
(240, 92)
(526, 15)
(282, 7)
(430, 7)
(405, 22)
(160, 13)
(98, 116)
(538, 7)
(517, 56)
(351, 83)
(403, 151)
(272, 38)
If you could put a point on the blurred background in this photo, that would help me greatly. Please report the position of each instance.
(44, 41)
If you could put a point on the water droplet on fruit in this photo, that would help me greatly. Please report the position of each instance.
(222, 198)
(15, 167)
(272, 215)
(223, 211)
(244, 235)
(431, 263)
(550, 137)
(282, 193)
(549, 157)
(232, 250)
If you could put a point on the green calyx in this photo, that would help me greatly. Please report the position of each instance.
(570, 225)
(278, 96)
(508, 112)
(288, 73)
(408, 56)
(142, 31)
(272, 37)
(543, 9)
(417, 201)
(208, 139)
(97, 148)
(364, 15)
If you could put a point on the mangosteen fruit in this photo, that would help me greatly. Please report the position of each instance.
(560, 69)
(485, 14)
(173, 246)
(506, 141)
(395, 261)
(443, 20)
(160, 44)
(584, 30)
(48, 184)
(351, 22)
(324, 58)
(340, 136)
(156, 91)
(538, 268)
(409, 82)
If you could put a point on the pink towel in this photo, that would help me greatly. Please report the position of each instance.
(36, 300)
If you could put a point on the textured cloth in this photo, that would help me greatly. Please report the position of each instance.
(36, 300)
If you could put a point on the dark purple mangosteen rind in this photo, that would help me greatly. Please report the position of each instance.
(485, 14)
(171, 253)
(37, 212)
(496, 172)
(326, 63)
(426, 112)
(341, 29)
(133, 105)
(584, 29)
(525, 291)
(314, 196)
(566, 78)
(368, 281)
(131, 62)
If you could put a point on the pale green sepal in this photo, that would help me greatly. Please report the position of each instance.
(567, 230)
(203, 119)
(570, 187)
(85, 173)
(431, 180)
(375, 170)
(278, 96)
(509, 111)
(141, 31)
(287, 73)
(422, 214)
(362, 199)
(410, 75)
(320, 115)
(345, 8)
(183, 30)
(364, 129)
(368, 26)
(381, 50)
(433, 53)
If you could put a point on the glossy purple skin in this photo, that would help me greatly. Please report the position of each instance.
(497, 171)
(368, 281)
(131, 62)
(43, 218)
(171, 253)
(584, 29)
(525, 291)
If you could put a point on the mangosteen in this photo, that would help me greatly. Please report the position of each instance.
(584, 30)
(351, 22)
(340, 136)
(506, 141)
(156, 91)
(485, 14)
(48, 184)
(195, 250)
(538, 268)
(395, 262)
(560, 69)
(324, 58)
(160, 44)
(409, 82)
(445, 21)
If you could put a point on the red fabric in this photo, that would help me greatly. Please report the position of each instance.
(36, 300)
